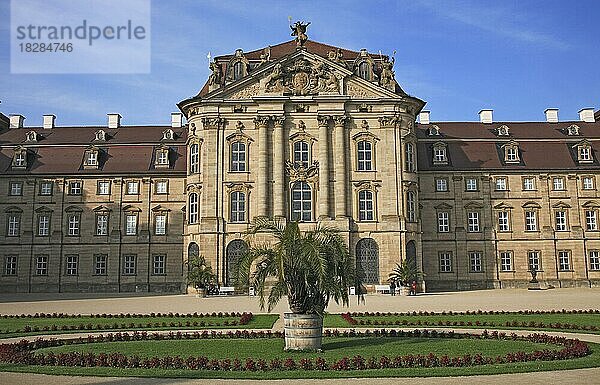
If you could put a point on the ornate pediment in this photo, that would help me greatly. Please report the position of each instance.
(297, 171)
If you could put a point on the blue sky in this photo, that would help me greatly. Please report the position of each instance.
(516, 57)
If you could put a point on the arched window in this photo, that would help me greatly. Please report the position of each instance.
(411, 211)
(409, 159)
(238, 70)
(238, 207)
(301, 202)
(367, 260)
(238, 156)
(365, 155)
(411, 253)
(365, 205)
(193, 250)
(364, 70)
(235, 250)
(194, 158)
(193, 216)
(301, 153)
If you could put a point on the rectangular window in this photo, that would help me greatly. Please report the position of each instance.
(102, 224)
(129, 265)
(564, 260)
(501, 184)
(595, 260)
(476, 261)
(238, 206)
(506, 263)
(10, 265)
(512, 154)
(103, 187)
(588, 183)
(71, 267)
(14, 225)
(528, 184)
(160, 224)
(100, 264)
(471, 184)
(16, 188)
(445, 262)
(91, 158)
(558, 184)
(46, 188)
(560, 219)
(365, 156)
(132, 187)
(238, 157)
(131, 224)
(193, 203)
(439, 155)
(585, 153)
(473, 222)
(74, 224)
(533, 260)
(441, 184)
(530, 220)
(194, 158)
(163, 157)
(410, 158)
(41, 265)
(75, 187)
(20, 159)
(443, 222)
(161, 187)
(158, 265)
(591, 222)
(43, 225)
(503, 221)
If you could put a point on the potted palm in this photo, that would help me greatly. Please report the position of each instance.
(310, 268)
(404, 273)
(200, 275)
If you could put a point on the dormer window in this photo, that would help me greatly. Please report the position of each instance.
(238, 70)
(100, 136)
(90, 158)
(440, 156)
(162, 157)
(572, 130)
(168, 134)
(584, 152)
(511, 152)
(433, 130)
(502, 130)
(31, 137)
(364, 70)
(20, 158)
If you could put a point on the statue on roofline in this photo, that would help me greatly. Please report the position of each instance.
(215, 78)
(299, 30)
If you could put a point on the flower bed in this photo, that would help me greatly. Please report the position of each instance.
(24, 353)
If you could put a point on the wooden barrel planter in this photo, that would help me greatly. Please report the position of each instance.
(303, 331)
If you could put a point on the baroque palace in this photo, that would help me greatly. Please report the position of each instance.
(311, 133)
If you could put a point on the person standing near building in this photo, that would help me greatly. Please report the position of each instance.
(393, 287)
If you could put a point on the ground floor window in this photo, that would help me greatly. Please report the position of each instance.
(445, 262)
(367, 260)
(476, 261)
(235, 250)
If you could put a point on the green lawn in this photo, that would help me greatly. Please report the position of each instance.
(498, 321)
(13, 327)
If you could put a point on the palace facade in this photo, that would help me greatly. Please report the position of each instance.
(311, 133)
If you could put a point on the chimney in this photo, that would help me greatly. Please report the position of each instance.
(16, 121)
(49, 121)
(424, 117)
(587, 115)
(485, 116)
(114, 120)
(176, 119)
(551, 115)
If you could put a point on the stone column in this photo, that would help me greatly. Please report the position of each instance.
(279, 144)
(324, 149)
(262, 180)
(341, 171)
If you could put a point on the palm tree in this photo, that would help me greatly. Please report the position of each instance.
(404, 273)
(311, 268)
(200, 275)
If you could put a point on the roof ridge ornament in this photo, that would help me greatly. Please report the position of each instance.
(299, 30)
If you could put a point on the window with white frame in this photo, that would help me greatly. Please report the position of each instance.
(511, 154)
(409, 164)
(75, 187)
(301, 202)
(91, 158)
(103, 187)
(441, 184)
(14, 225)
(594, 260)
(445, 261)
(20, 159)
(129, 267)
(160, 223)
(102, 223)
(564, 260)
(46, 188)
(43, 224)
(238, 156)
(194, 158)
(238, 206)
(162, 187)
(534, 261)
(588, 182)
(411, 206)
(506, 261)
(475, 260)
(10, 265)
(16, 188)
(530, 220)
(74, 224)
(131, 224)
(503, 221)
(41, 265)
(193, 207)
(473, 221)
(558, 183)
(158, 264)
(365, 155)
(471, 184)
(528, 184)
(443, 221)
(365, 205)
(301, 153)
(133, 187)
(162, 157)
(501, 184)
(584, 153)
(72, 265)
(439, 154)
(100, 262)
(560, 220)
(591, 221)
